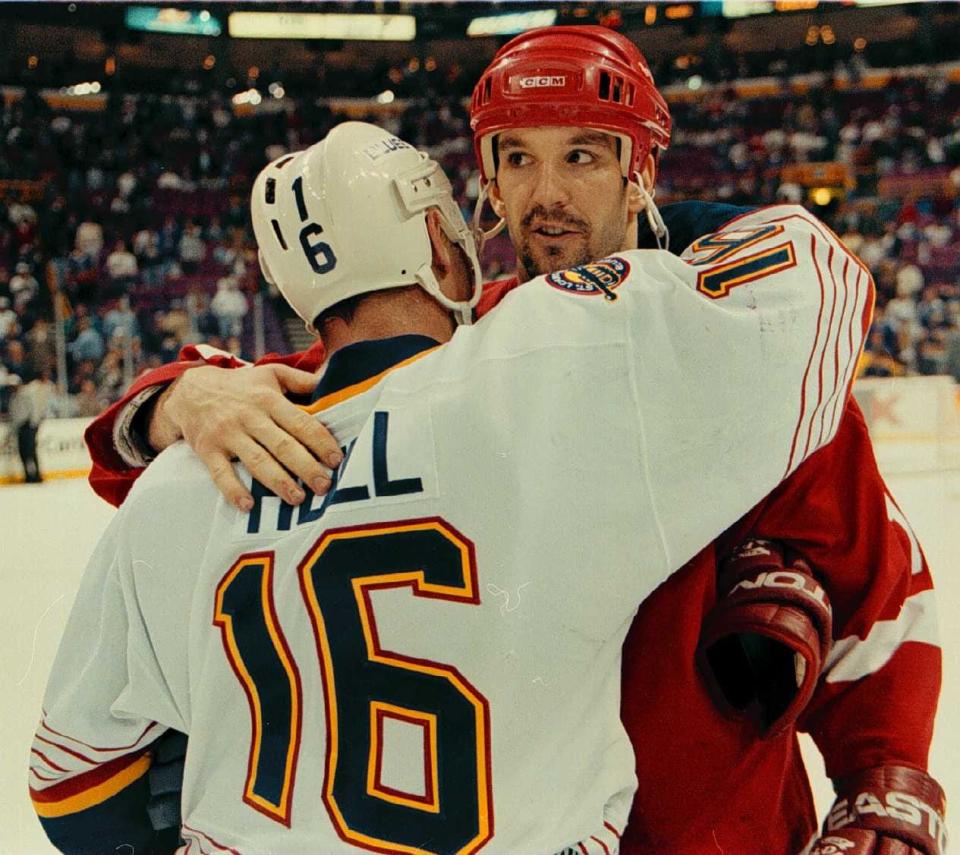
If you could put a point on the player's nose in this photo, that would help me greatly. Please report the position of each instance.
(549, 188)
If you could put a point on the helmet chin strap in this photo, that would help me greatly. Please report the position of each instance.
(657, 225)
(462, 310)
(481, 236)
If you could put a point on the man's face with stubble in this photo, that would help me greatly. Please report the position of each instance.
(563, 196)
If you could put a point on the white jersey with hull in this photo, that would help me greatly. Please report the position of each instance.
(579, 448)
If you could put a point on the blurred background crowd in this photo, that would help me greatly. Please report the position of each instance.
(124, 227)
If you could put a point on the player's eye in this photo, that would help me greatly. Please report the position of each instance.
(581, 156)
(516, 158)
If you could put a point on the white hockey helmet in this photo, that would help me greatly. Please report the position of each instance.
(348, 216)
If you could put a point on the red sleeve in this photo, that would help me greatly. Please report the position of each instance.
(877, 696)
(493, 293)
(110, 477)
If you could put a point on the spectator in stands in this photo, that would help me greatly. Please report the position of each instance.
(88, 345)
(932, 353)
(169, 348)
(89, 401)
(15, 359)
(176, 320)
(726, 147)
(19, 211)
(877, 359)
(89, 239)
(876, 247)
(931, 310)
(121, 267)
(81, 276)
(23, 286)
(169, 239)
(909, 280)
(41, 348)
(126, 184)
(8, 319)
(229, 306)
(109, 376)
(25, 234)
(192, 249)
(146, 249)
(120, 322)
(82, 371)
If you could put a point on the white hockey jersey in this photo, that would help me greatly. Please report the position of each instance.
(428, 659)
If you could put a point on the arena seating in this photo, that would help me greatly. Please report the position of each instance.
(144, 196)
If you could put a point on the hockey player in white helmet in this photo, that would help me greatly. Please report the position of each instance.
(427, 659)
(365, 231)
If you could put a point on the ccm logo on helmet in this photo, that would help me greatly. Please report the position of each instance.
(543, 81)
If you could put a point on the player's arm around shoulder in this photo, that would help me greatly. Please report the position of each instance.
(225, 408)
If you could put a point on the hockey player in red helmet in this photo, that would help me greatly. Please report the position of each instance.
(559, 84)
(568, 131)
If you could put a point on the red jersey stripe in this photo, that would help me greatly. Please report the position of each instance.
(85, 780)
(601, 844)
(803, 385)
(612, 829)
(69, 751)
(134, 744)
(208, 837)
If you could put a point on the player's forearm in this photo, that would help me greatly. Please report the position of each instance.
(880, 718)
(117, 439)
(155, 423)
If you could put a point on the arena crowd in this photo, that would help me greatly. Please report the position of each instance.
(133, 217)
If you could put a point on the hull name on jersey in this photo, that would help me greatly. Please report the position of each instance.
(377, 485)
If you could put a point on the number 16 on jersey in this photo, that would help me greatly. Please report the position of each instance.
(364, 687)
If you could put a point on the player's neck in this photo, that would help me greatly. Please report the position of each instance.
(386, 314)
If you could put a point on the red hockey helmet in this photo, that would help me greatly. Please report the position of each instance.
(583, 76)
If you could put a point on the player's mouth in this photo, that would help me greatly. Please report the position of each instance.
(551, 232)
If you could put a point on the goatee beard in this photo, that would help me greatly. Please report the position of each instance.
(553, 263)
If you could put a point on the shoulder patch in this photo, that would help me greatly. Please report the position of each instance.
(592, 280)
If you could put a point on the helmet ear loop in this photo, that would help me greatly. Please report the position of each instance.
(657, 225)
(465, 241)
(479, 235)
(462, 312)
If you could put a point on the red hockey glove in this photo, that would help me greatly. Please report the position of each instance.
(889, 810)
(763, 645)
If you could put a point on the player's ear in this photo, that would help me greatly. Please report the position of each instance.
(440, 245)
(648, 175)
(496, 200)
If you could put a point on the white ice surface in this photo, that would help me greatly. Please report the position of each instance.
(48, 530)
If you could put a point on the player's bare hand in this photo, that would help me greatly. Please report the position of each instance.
(242, 414)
